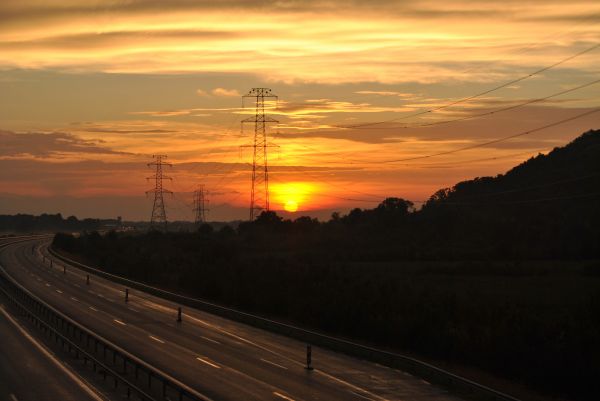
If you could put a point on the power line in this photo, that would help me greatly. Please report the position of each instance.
(479, 145)
(488, 113)
(465, 99)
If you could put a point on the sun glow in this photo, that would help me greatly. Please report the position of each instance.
(292, 196)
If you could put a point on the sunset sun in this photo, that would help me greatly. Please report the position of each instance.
(293, 196)
(291, 205)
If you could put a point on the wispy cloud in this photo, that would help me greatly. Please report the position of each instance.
(225, 92)
(47, 145)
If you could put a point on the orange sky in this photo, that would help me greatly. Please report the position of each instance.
(91, 89)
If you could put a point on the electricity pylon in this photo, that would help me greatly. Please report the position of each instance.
(200, 205)
(158, 220)
(259, 197)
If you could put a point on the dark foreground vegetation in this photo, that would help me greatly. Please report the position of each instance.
(27, 223)
(501, 274)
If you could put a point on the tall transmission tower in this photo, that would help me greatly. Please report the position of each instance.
(158, 220)
(259, 198)
(200, 205)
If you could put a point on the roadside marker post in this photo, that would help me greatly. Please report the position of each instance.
(308, 358)
(87, 280)
(64, 269)
(126, 294)
(179, 314)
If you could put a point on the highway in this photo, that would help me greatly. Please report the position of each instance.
(220, 358)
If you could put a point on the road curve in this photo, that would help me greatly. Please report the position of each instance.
(221, 358)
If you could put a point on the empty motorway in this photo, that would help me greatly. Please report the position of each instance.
(220, 358)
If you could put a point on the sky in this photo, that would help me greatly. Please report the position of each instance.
(375, 99)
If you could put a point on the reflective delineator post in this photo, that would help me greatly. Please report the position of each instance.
(126, 294)
(308, 358)
(179, 314)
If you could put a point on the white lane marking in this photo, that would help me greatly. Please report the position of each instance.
(38, 279)
(210, 339)
(94, 309)
(273, 363)
(13, 397)
(80, 382)
(77, 285)
(426, 382)
(331, 377)
(120, 322)
(100, 295)
(285, 397)
(74, 299)
(157, 339)
(48, 285)
(209, 363)
(59, 291)
(133, 310)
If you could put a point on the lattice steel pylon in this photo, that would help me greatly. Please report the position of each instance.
(259, 197)
(158, 220)
(200, 205)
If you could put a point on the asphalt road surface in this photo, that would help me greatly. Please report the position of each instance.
(220, 358)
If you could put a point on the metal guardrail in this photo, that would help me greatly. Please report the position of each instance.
(419, 368)
(87, 345)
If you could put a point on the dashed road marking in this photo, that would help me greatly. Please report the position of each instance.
(94, 309)
(285, 397)
(133, 310)
(157, 339)
(59, 291)
(209, 363)
(211, 340)
(74, 299)
(273, 363)
(120, 322)
(48, 285)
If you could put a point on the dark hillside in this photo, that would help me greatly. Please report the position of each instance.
(547, 207)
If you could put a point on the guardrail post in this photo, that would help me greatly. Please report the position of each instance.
(308, 358)
(87, 279)
(179, 314)
(126, 294)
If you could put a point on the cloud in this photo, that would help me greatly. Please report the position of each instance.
(226, 92)
(201, 93)
(386, 93)
(47, 145)
(313, 41)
